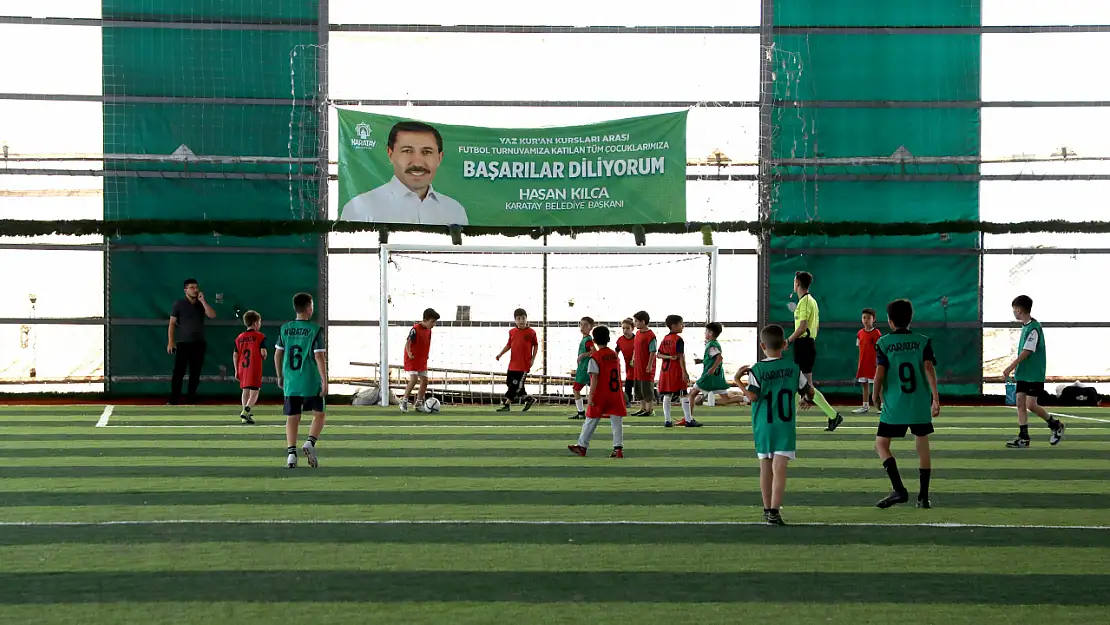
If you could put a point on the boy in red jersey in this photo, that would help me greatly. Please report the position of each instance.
(417, 347)
(866, 339)
(643, 364)
(523, 344)
(673, 378)
(624, 348)
(250, 350)
(606, 401)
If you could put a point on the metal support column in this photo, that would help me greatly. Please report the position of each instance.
(766, 121)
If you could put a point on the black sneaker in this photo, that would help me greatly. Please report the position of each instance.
(528, 401)
(893, 498)
(503, 408)
(638, 413)
(923, 502)
(1020, 443)
(1057, 434)
(834, 423)
(577, 415)
(691, 423)
(246, 417)
(773, 518)
(668, 424)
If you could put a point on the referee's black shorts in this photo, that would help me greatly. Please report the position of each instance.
(805, 353)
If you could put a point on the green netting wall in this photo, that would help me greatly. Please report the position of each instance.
(911, 72)
(170, 68)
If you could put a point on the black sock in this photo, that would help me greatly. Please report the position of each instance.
(618, 447)
(1023, 432)
(1053, 423)
(924, 475)
(312, 439)
(774, 510)
(292, 450)
(891, 467)
(766, 510)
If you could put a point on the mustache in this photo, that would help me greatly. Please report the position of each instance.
(415, 169)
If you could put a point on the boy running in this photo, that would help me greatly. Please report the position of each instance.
(673, 377)
(606, 401)
(302, 373)
(523, 344)
(773, 386)
(417, 347)
(625, 343)
(582, 373)
(1030, 365)
(909, 401)
(807, 321)
(866, 339)
(250, 349)
(643, 364)
(712, 380)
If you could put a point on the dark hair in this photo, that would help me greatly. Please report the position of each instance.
(413, 127)
(715, 328)
(630, 321)
(672, 320)
(519, 312)
(601, 335)
(189, 281)
(642, 316)
(773, 337)
(589, 320)
(301, 302)
(1023, 302)
(804, 278)
(430, 313)
(900, 313)
(251, 317)
(868, 311)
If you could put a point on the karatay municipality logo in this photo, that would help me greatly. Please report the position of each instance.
(363, 140)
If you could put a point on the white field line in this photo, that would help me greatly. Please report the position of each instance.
(395, 426)
(104, 416)
(1072, 416)
(480, 522)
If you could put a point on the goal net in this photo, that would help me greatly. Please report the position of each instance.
(476, 290)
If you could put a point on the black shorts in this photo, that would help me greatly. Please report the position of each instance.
(1033, 389)
(251, 388)
(894, 430)
(300, 405)
(628, 386)
(645, 390)
(805, 354)
(514, 380)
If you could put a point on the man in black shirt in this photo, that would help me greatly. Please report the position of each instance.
(186, 339)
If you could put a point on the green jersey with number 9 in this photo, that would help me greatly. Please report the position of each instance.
(300, 341)
(777, 383)
(907, 398)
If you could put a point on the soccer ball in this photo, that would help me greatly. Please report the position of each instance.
(431, 404)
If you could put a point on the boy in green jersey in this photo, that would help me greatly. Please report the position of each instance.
(581, 372)
(302, 374)
(1030, 368)
(773, 386)
(712, 380)
(905, 393)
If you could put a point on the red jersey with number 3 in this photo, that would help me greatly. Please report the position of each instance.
(671, 379)
(608, 394)
(248, 352)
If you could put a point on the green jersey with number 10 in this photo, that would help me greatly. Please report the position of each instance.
(907, 398)
(300, 340)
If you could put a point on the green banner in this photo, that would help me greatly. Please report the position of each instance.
(397, 170)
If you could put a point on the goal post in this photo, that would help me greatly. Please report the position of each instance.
(557, 285)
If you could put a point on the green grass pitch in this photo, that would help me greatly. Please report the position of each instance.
(181, 515)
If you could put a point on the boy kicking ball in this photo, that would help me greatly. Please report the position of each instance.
(908, 401)
(773, 386)
(606, 397)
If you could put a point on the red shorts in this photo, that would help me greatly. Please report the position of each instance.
(250, 379)
(611, 406)
(578, 387)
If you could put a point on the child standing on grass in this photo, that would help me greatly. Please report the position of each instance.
(418, 346)
(606, 399)
(302, 373)
(643, 364)
(773, 387)
(866, 339)
(250, 349)
(582, 373)
(673, 377)
(712, 380)
(625, 345)
(523, 344)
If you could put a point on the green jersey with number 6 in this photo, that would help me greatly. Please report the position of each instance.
(907, 398)
(777, 383)
(301, 341)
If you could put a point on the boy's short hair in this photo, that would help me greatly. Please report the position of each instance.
(900, 313)
(773, 337)
(715, 328)
(601, 335)
(1023, 302)
(520, 312)
(672, 320)
(430, 314)
(868, 311)
(804, 278)
(629, 321)
(189, 281)
(251, 317)
(642, 316)
(301, 302)
(589, 320)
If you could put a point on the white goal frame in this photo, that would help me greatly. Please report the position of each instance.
(386, 249)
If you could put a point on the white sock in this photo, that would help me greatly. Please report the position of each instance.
(711, 399)
(666, 408)
(618, 431)
(580, 404)
(588, 427)
(686, 408)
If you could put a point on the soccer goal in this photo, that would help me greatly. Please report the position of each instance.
(475, 289)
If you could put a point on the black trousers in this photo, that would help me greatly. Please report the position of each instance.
(189, 356)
